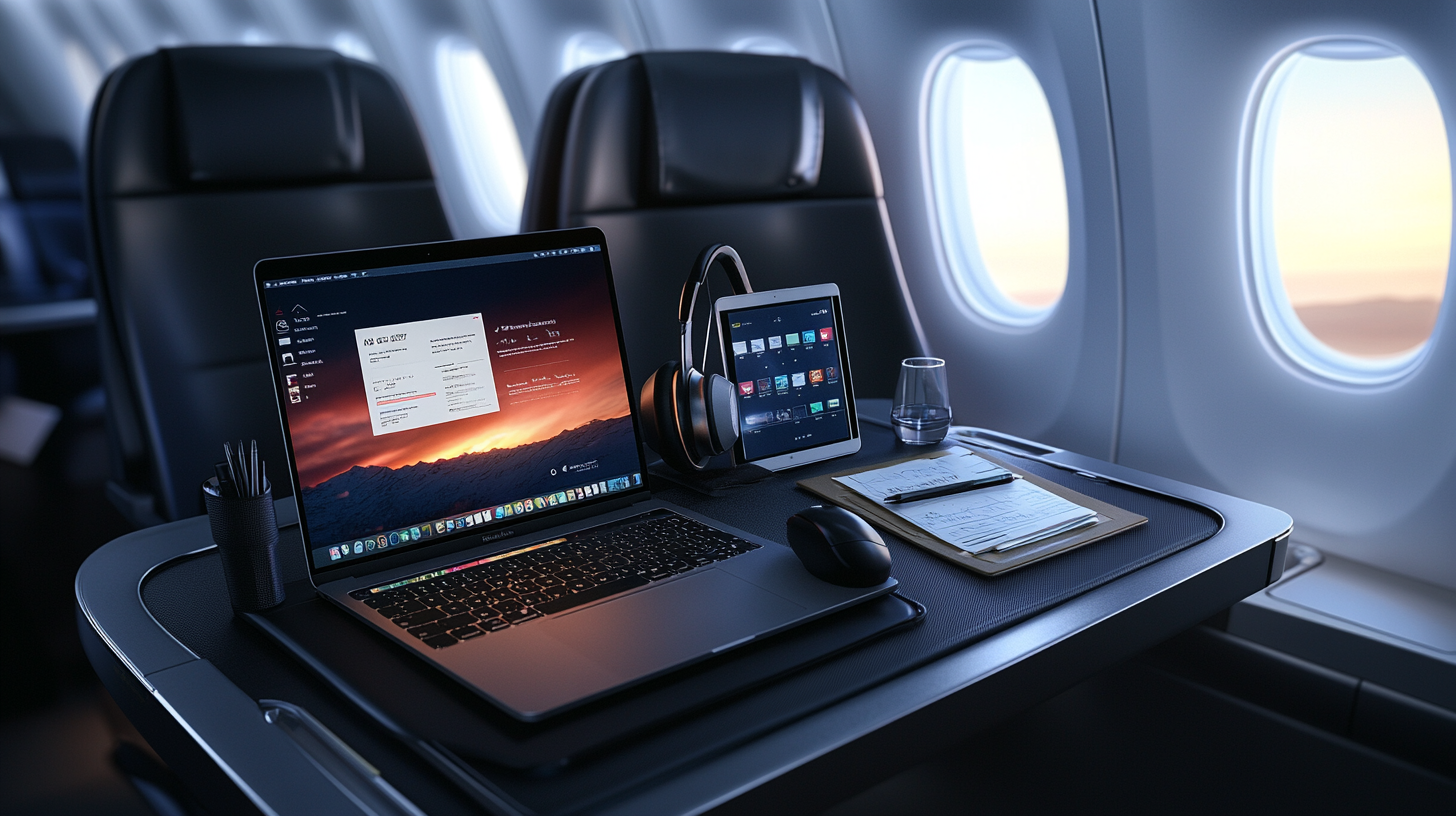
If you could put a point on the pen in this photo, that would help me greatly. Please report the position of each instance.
(232, 471)
(951, 489)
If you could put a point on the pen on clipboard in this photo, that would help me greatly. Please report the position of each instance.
(950, 489)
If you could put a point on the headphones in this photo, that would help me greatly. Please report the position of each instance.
(689, 416)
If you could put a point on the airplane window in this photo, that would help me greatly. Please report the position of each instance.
(82, 70)
(484, 134)
(1349, 208)
(353, 46)
(589, 48)
(256, 36)
(994, 168)
(773, 46)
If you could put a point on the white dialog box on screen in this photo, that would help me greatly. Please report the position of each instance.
(427, 372)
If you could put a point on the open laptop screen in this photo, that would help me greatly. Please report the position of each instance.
(430, 400)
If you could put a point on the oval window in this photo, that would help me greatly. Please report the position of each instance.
(764, 44)
(484, 134)
(353, 46)
(1349, 207)
(82, 70)
(589, 48)
(999, 189)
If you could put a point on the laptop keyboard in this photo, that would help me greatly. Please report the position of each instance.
(550, 577)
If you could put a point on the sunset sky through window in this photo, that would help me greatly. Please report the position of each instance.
(1360, 190)
(1008, 172)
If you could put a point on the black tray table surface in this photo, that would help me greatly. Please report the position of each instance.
(964, 608)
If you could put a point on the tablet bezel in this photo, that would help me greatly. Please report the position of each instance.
(781, 297)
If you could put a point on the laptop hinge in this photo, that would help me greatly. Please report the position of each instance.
(505, 536)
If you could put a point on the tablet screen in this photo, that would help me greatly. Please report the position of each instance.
(792, 376)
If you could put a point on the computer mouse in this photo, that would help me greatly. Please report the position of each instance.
(839, 547)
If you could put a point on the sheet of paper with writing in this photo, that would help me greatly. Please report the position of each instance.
(920, 474)
(1028, 526)
(996, 518)
(991, 518)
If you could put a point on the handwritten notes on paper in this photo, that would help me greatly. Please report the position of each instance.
(997, 518)
(992, 518)
(920, 474)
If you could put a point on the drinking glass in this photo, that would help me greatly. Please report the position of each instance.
(921, 413)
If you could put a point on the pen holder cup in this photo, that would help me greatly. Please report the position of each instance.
(246, 533)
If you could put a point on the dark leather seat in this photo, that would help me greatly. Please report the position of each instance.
(670, 151)
(44, 259)
(202, 162)
(43, 223)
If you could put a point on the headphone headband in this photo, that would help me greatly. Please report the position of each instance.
(737, 277)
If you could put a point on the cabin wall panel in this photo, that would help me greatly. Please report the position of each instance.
(536, 35)
(1059, 381)
(1368, 473)
(798, 27)
(33, 75)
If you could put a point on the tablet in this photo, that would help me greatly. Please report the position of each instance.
(786, 352)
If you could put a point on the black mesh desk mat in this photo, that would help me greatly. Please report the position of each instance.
(962, 608)
(417, 702)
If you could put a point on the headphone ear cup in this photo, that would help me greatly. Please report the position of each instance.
(693, 406)
(713, 418)
(657, 405)
(721, 407)
(647, 408)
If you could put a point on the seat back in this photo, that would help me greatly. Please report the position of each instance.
(668, 152)
(42, 222)
(203, 161)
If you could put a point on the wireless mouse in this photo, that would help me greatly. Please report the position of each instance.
(839, 547)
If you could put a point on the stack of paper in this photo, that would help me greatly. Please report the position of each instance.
(991, 518)
(920, 474)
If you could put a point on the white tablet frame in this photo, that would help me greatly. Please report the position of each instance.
(778, 297)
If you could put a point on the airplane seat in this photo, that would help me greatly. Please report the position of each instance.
(43, 259)
(667, 152)
(203, 161)
(20, 279)
(44, 179)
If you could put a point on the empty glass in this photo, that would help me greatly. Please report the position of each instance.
(921, 413)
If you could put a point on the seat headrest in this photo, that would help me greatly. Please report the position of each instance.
(733, 126)
(697, 128)
(262, 115)
(206, 118)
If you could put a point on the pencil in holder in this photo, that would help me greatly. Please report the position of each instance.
(246, 533)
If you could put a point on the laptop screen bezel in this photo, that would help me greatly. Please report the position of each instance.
(333, 263)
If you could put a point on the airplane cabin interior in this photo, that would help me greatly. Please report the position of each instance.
(866, 406)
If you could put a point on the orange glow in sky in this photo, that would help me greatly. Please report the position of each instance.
(1361, 183)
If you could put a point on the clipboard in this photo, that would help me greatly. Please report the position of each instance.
(1111, 520)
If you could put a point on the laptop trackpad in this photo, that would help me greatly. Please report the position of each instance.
(672, 623)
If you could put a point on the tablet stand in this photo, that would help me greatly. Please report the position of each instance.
(712, 482)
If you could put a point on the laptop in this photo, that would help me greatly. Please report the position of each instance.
(469, 473)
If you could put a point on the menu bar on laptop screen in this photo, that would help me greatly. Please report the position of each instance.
(430, 266)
